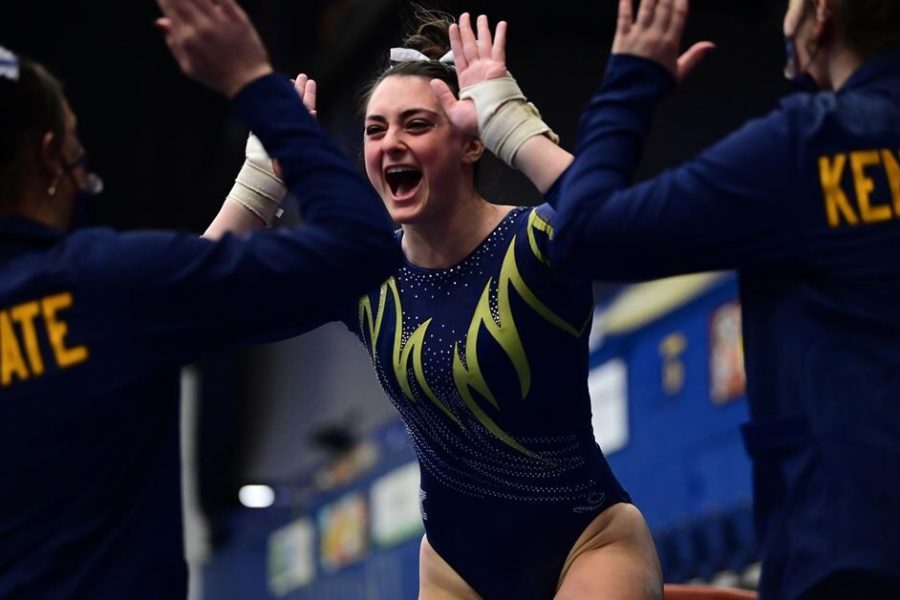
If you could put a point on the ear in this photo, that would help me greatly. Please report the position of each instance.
(792, 17)
(473, 151)
(49, 157)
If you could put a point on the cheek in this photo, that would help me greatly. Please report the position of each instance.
(442, 163)
(437, 154)
(372, 159)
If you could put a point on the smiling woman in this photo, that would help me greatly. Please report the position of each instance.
(407, 135)
(482, 346)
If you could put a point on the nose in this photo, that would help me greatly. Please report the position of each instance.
(392, 140)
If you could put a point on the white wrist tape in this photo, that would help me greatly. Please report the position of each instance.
(506, 119)
(256, 186)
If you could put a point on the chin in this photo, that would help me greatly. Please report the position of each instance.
(406, 215)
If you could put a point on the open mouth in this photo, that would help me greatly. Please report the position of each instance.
(403, 181)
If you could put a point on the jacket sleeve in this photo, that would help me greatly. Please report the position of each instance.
(170, 296)
(730, 207)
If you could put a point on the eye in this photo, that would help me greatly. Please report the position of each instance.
(375, 131)
(419, 125)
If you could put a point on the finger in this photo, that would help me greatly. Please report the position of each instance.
(300, 83)
(167, 6)
(164, 24)
(646, 13)
(663, 17)
(306, 89)
(626, 17)
(310, 94)
(444, 94)
(793, 16)
(459, 57)
(197, 8)
(202, 5)
(469, 44)
(484, 37)
(498, 52)
(231, 10)
(180, 12)
(679, 18)
(170, 8)
(688, 61)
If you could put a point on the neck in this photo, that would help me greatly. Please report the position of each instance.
(447, 240)
(36, 205)
(842, 65)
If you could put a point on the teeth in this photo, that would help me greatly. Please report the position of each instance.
(392, 170)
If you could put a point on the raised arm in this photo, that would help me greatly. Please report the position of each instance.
(270, 284)
(214, 42)
(509, 124)
(492, 105)
(255, 199)
(727, 208)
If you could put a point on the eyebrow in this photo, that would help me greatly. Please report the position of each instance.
(404, 115)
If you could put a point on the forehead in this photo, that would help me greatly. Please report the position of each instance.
(398, 93)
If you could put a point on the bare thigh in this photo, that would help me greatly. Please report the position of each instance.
(438, 580)
(613, 559)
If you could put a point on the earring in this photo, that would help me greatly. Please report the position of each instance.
(51, 189)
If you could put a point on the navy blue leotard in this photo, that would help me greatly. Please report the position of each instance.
(487, 362)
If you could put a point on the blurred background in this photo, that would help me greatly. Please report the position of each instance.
(335, 512)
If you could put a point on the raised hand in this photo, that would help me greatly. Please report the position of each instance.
(214, 43)
(306, 89)
(656, 35)
(477, 58)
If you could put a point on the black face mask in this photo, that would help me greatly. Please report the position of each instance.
(799, 79)
(85, 192)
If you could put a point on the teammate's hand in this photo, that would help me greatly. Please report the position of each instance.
(656, 34)
(306, 89)
(214, 43)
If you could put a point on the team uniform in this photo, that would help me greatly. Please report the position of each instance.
(805, 204)
(487, 363)
(94, 326)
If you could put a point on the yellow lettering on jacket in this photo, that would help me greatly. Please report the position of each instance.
(871, 193)
(20, 328)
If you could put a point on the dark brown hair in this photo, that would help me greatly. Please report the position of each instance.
(430, 35)
(32, 106)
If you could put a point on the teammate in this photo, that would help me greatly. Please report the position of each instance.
(805, 204)
(94, 324)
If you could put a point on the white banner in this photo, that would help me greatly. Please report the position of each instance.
(396, 514)
(292, 557)
(608, 386)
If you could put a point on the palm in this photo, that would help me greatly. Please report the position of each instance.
(463, 116)
(479, 70)
(477, 58)
(656, 34)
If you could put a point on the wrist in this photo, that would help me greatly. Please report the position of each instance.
(506, 120)
(257, 187)
(247, 77)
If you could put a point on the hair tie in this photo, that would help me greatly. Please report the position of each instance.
(9, 65)
(399, 55)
